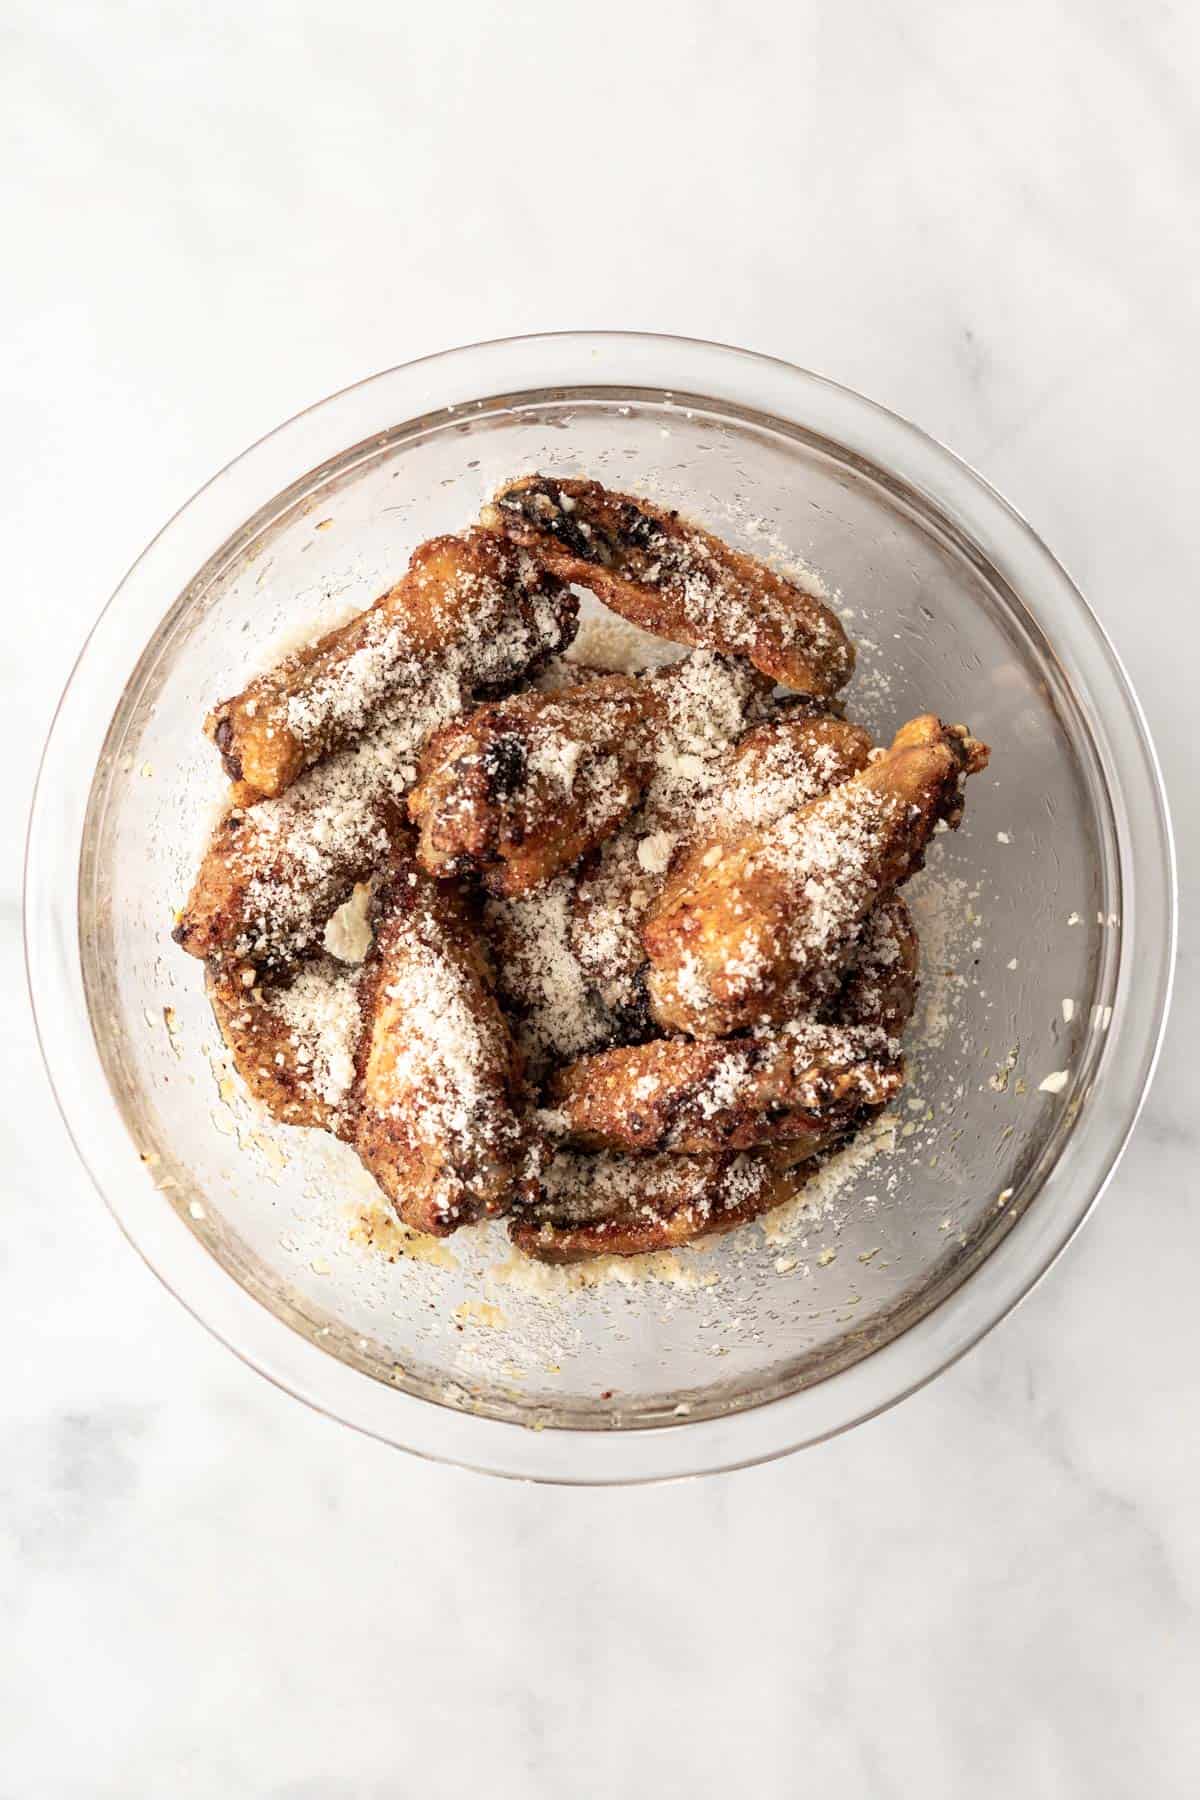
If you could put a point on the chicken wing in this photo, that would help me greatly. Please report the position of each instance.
(755, 929)
(805, 1082)
(612, 1205)
(437, 1118)
(522, 788)
(294, 1043)
(275, 872)
(676, 579)
(470, 611)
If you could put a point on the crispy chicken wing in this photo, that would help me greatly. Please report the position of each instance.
(612, 1205)
(756, 928)
(522, 788)
(676, 579)
(470, 612)
(437, 1120)
(803, 1083)
(275, 872)
(294, 1042)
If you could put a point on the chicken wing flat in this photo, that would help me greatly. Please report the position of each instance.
(522, 788)
(275, 872)
(674, 578)
(436, 1120)
(770, 769)
(470, 611)
(293, 1043)
(756, 929)
(612, 1205)
(804, 1083)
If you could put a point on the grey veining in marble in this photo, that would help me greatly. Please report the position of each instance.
(984, 217)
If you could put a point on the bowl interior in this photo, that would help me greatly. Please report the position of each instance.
(1020, 915)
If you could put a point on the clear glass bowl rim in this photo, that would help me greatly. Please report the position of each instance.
(452, 381)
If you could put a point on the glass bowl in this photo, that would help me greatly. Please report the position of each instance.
(1047, 924)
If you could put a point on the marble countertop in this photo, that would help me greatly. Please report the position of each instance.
(984, 218)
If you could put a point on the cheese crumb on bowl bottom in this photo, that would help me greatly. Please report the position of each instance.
(885, 1263)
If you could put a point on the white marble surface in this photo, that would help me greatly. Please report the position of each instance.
(984, 216)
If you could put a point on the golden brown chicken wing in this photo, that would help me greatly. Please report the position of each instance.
(275, 872)
(676, 579)
(522, 788)
(754, 929)
(437, 1118)
(612, 1205)
(470, 612)
(294, 1043)
(803, 1083)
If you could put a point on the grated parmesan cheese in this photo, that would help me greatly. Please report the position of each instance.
(321, 1010)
